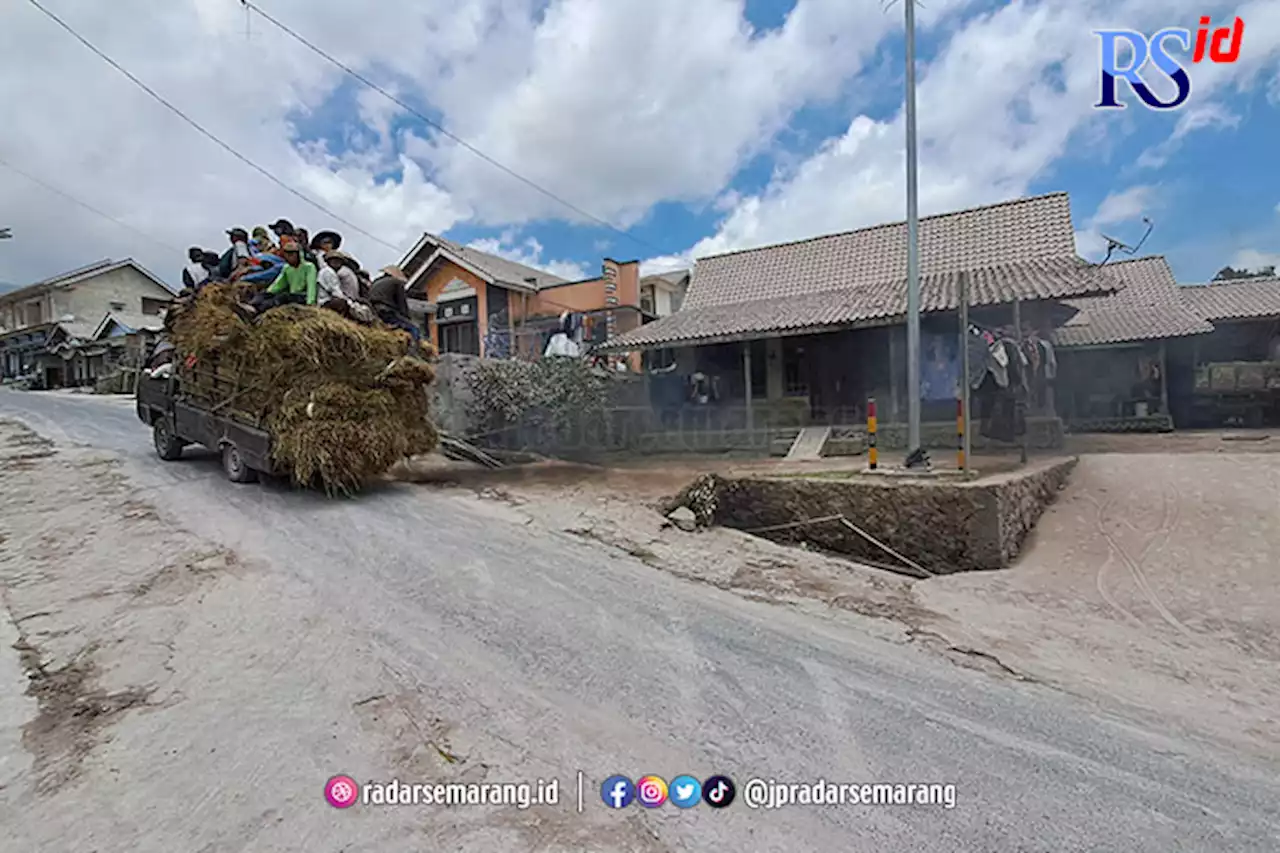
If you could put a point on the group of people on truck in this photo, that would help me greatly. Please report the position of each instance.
(297, 269)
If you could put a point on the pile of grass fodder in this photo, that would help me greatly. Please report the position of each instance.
(343, 402)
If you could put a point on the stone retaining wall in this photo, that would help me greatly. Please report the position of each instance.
(945, 526)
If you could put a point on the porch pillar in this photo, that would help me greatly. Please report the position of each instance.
(1017, 326)
(895, 359)
(1164, 380)
(746, 382)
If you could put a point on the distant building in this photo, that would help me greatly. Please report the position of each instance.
(663, 294)
(482, 304)
(41, 322)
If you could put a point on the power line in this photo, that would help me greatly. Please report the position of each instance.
(444, 132)
(33, 179)
(207, 133)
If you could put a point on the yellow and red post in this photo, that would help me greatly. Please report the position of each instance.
(873, 455)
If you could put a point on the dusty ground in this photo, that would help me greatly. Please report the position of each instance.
(1154, 581)
(191, 659)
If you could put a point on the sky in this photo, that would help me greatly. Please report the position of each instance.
(657, 130)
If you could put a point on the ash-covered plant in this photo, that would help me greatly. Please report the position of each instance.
(559, 393)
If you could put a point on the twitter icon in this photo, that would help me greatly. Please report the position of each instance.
(685, 792)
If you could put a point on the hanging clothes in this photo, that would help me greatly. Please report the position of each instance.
(1050, 360)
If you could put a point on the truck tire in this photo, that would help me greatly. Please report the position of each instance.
(168, 446)
(234, 465)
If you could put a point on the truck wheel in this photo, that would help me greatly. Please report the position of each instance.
(233, 463)
(168, 446)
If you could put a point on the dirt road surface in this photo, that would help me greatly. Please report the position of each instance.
(199, 657)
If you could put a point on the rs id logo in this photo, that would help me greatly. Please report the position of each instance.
(1221, 45)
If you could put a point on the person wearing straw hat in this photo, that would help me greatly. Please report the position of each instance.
(391, 303)
(326, 241)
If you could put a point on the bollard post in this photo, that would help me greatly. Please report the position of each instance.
(960, 434)
(873, 455)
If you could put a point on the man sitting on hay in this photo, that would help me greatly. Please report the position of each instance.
(296, 284)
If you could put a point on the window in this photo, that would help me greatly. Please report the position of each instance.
(153, 306)
(117, 306)
(646, 300)
(460, 338)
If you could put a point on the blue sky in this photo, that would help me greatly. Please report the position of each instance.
(1215, 195)
(694, 126)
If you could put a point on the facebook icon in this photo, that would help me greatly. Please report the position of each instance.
(617, 792)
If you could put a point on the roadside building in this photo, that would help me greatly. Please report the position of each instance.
(1117, 366)
(42, 323)
(1234, 372)
(807, 332)
(478, 303)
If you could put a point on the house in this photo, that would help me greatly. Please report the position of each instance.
(662, 295)
(120, 340)
(68, 308)
(814, 328)
(1117, 363)
(1245, 314)
(482, 304)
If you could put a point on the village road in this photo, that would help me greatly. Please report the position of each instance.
(419, 634)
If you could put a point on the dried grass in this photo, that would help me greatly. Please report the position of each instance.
(343, 402)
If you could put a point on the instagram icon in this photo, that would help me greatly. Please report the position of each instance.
(651, 791)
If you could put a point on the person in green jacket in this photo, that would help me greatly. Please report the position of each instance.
(296, 284)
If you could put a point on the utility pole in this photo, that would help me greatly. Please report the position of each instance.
(913, 245)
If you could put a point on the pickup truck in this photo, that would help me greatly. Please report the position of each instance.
(178, 420)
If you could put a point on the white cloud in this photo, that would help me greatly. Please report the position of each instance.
(613, 104)
(1010, 94)
(663, 263)
(529, 253)
(1124, 206)
(1190, 119)
(1118, 208)
(1253, 259)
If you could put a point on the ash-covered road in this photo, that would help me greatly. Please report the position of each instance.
(422, 634)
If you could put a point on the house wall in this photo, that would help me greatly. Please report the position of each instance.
(89, 300)
(445, 272)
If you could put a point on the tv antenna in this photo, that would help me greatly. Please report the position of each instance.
(1114, 245)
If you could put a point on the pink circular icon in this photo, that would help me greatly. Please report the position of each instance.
(341, 792)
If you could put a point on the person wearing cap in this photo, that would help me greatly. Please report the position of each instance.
(195, 273)
(263, 238)
(391, 303)
(232, 257)
(282, 228)
(295, 284)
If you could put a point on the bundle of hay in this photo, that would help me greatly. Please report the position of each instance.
(343, 402)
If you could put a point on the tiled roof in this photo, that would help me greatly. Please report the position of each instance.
(1147, 307)
(875, 304)
(495, 267)
(1021, 249)
(1247, 299)
(998, 234)
(501, 269)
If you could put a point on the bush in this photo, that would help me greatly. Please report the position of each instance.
(562, 395)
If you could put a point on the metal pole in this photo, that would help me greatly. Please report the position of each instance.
(966, 446)
(913, 242)
(746, 371)
(1017, 326)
